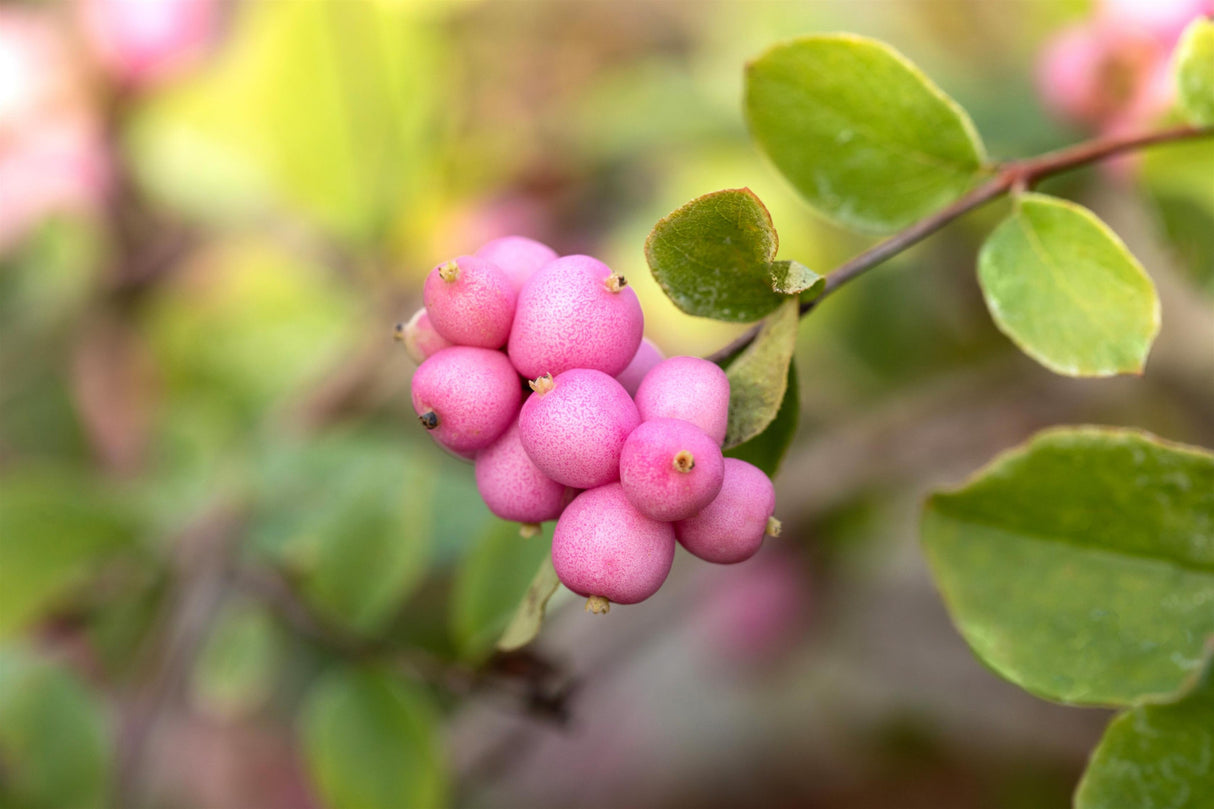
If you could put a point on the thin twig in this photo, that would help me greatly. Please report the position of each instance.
(1015, 174)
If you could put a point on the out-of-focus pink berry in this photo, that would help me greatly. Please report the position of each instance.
(574, 427)
(420, 338)
(670, 469)
(575, 313)
(606, 550)
(144, 41)
(731, 528)
(1092, 74)
(647, 356)
(1163, 19)
(466, 397)
(470, 302)
(512, 485)
(687, 388)
(517, 256)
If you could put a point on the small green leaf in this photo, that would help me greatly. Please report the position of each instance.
(55, 526)
(54, 737)
(1160, 756)
(236, 671)
(489, 585)
(767, 449)
(1081, 566)
(794, 278)
(529, 616)
(865, 137)
(371, 742)
(1063, 288)
(758, 376)
(713, 257)
(1195, 71)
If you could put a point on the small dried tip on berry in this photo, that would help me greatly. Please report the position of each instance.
(528, 530)
(429, 419)
(598, 605)
(398, 332)
(449, 272)
(615, 283)
(774, 527)
(684, 461)
(542, 384)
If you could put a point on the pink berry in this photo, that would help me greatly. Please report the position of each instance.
(575, 313)
(517, 256)
(606, 550)
(574, 427)
(420, 338)
(670, 469)
(512, 486)
(731, 528)
(687, 388)
(470, 302)
(466, 397)
(647, 356)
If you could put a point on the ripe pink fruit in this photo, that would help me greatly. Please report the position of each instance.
(648, 355)
(731, 528)
(420, 338)
(513, 486)
(516, 256)
(470, 302)
(606, 550)
(466, 397)
(574, 426)
(687, 388)
(575, 313)
(670, 469)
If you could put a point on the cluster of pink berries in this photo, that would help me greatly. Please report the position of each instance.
(620, 446)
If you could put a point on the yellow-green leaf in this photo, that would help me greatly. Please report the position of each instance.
(1195, 71)
(758, 377)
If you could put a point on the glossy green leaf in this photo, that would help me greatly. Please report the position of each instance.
(1081, 565)
(865, 137)
(55, 526)
(528, 618)
(491, 582)
(349, 517)
(371, 741)
(1161, 756)
(1064, 288)
(758, 377)
(794, 278)
(1195, 71)
(713, 257)
(767, 449)
(54, 737)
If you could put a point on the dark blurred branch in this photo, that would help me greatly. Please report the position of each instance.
(528, 683)
(1014, 175)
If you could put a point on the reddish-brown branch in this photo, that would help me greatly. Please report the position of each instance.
(1007, 177)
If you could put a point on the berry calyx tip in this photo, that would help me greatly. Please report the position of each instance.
(684, 462)
(773, 527)
(615, 282)
(598, 605)
(528, 530)
(398, 332)
(541, 384)
(449, 272)
(429, 419)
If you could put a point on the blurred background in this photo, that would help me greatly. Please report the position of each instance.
(234, 572)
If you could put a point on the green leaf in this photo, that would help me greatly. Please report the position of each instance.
(371, 742)
(794, 278)
(236, 671)
(529, 617)
(1081, 566)
(865, 137)
(713, 257)
(758, 376)
(1189, 228)
(1195, 71)
(349, 516)
(55, 527)
(54, 737)
(1064, 288)
(767, 449)
(489, 585)
(1157, 755)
